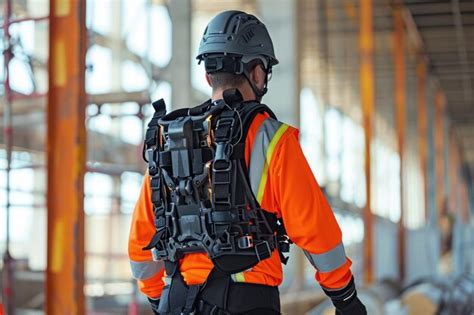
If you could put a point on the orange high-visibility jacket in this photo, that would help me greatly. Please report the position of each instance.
(283, 183)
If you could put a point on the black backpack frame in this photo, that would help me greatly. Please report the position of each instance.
(190, 151)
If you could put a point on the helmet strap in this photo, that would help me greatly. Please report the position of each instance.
(259, 93)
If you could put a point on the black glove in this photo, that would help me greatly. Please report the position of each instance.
(345, 300)
(154, 305)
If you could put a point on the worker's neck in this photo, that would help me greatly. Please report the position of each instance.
(246, 94)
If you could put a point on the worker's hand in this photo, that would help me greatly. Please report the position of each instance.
(155, 303)
(346, 301)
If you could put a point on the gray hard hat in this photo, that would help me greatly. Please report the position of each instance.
(237, 33)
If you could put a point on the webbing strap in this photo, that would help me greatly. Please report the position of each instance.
(153, 127)
(221, 168)
(177, 297)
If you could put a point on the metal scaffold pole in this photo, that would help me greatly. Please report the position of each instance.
(400, 114)
(7, 277)
(367, 87)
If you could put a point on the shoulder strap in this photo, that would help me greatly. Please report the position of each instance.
(151, 139)
(180, 112)
(249, 111)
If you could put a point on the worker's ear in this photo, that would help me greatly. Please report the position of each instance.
(257, 76)
(208, 79)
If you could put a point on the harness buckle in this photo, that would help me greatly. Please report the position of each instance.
(152, 166)
(245, 242)
(221, 159)
(154, 254)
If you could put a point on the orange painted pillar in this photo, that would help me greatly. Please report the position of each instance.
(366, 49)
(66, 155)
(400, 119)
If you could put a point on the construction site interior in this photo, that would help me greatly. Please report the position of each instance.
(381, 91)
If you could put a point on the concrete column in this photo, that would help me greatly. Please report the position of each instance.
(280, 17)
(180, 65)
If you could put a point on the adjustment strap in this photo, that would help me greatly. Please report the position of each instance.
(171, 268)
(192, 294)
(153, 126)
(262, 250)
(224, 64)
(155, 185)
(222, 166)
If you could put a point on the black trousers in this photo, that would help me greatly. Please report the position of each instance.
(207, 309)
(218, 296)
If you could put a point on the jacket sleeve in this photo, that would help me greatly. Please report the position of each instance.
(147, 272)
(308, 218)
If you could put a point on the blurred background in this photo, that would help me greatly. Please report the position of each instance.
(382, 92)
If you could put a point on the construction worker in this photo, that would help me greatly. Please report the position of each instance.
(177, 275)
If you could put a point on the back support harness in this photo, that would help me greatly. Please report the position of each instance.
(203, 202)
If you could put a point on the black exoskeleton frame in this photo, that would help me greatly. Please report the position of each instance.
(200, 188)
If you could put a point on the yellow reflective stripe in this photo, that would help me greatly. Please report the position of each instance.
(238, 277)
(271, 147)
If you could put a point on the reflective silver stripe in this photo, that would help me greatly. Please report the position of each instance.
(142, 270)
(264, 136)
(329, 260)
